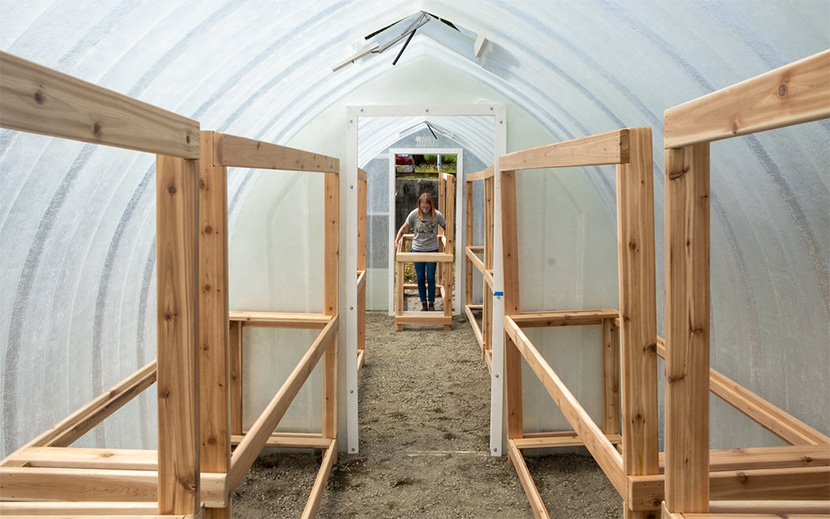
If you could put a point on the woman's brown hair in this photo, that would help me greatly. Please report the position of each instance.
(426, 197)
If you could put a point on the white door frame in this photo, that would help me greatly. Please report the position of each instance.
(348, 179)
(459, 249)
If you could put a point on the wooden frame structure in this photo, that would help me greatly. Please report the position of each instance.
(221, 376)
(483, 333)
(792, 479)
(198, 369)
(633, 326)
(444, 256)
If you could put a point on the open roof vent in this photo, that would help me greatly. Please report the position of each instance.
(449, 34)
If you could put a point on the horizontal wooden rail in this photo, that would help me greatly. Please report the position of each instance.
(793, 94)
(606, 148)
(233, 151)
(772, 418)
(281, 319)
(564, 317)
(565, 439)
(36, 99)
(119, 509)
(24, 484)
(480, 175)
(250, 447)
(594, 439)
(478, 249)
(802, 483)
(83, 458)
(291, 440)
(439, 257)
(777, 509)
(423, 317)
(320, 481)
(80, 422)
(788, 456)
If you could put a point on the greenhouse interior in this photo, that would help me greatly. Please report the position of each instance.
(637, 203)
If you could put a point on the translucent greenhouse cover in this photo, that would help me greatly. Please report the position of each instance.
(77, 221)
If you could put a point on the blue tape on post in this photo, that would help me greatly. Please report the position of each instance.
(498, 294)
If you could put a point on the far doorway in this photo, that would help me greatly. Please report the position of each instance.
(423, 165)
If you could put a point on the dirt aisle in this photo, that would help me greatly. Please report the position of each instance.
(424, 440)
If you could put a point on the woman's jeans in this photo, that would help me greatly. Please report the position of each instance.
(425, 271)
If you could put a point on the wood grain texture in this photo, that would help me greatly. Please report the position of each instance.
(40, 100)
(214, 346)
(177, 270)
(510, 243)
(233, 151)
(280, 319)
(687, 329)
(638, 305)
(605, 148)
(795, 93)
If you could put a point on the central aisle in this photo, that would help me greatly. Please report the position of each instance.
(424, 434)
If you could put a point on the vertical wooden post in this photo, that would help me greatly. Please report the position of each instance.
(489, 251)
(486, 317)
(361, 263)
(510, 243)
(449, 267)
(638, 307)
(442, 206)
(331, 254)
(513, 389)
(449, 212)
(687, 329)
(512, 357)
(489, 220)
(214, 358)
(469, 228)
(177, 267)
(235, 346)
(611, 377)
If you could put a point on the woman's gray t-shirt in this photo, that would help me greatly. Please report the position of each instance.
(425, 229)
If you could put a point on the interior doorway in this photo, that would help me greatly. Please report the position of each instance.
(438, 157)
(465, 130)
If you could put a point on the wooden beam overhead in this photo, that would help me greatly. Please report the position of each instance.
(480, 175)
(37, 99)
(793, 94)
(605, 148)
(233, 151)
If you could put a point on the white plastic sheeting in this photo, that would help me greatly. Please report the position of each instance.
(77, 306)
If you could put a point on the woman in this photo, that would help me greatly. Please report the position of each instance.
(424, 220)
